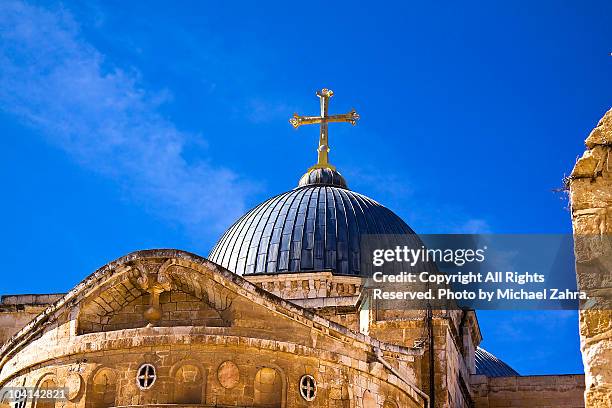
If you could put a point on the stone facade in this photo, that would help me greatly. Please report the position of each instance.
(590, 187)
(17, 311)
(216, 339)
(341, 299)
(541, 391)
(455, 336)
(212, 338)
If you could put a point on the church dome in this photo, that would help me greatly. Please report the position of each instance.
(491, 366)
(315, 227)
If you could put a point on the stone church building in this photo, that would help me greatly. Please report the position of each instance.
(275, 316)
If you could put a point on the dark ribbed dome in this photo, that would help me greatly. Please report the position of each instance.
(491, 366)
(328, 177)
(314, 227)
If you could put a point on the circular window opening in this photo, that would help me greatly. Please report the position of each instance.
(146, 376)
(308, 387)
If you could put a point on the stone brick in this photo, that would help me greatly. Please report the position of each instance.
(591, 201)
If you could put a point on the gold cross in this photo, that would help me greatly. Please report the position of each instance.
(297, 121)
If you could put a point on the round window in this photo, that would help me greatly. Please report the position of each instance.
(146, 376)
(308, 387)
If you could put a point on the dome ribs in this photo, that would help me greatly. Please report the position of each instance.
(311, 228)
(491, 366)
(260, 240)
(331, 231)
(297, 231)
(286, 230)
(308, 238)
(342, 247)
(246, 244)
(269, 249)
(230, 237)
(319, 232)
(353, 234)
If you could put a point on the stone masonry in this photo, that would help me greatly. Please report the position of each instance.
(210, 338)
(590, 186)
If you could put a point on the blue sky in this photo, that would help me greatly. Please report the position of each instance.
(136, 125)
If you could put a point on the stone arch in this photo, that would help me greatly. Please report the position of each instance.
(47, 381)
(268, 388)
(177, 294)
(102, 389)
(369, 400)
(390, 403)
(188, 382)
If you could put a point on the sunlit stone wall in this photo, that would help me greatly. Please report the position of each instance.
(591, 204)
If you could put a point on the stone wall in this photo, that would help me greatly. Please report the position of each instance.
(177, 309)
(222, 374)
(337, 298)
(18, 310)
(590, 187)
(541, 391)
(456, 335)
(258, 359)
(308, 285)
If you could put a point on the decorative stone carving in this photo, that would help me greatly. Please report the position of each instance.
(308, 387)
(154, 282)
(73, 384)
(228, 374)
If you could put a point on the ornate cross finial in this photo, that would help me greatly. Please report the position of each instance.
(323, 151)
